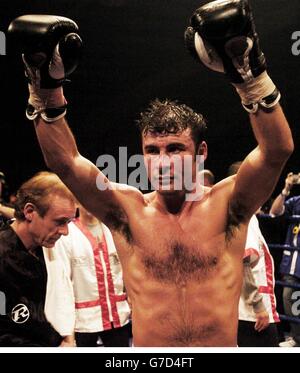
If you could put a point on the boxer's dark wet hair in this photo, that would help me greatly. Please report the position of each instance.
(168, 117)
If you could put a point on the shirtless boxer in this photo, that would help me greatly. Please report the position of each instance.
(182, 260)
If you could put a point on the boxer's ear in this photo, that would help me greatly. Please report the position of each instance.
(202, 149)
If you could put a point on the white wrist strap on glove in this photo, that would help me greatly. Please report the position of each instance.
(50, 103)
(43, 100)
(259, 91)
(56, 113)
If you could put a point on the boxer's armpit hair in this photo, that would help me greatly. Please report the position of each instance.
(117, 221)
(236, 215)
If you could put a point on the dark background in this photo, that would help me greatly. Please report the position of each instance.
(134, 52)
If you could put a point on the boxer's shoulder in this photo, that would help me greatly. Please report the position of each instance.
(222, 189)
(126, 200)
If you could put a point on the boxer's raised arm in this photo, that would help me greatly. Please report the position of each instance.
(260, 171)
(51, 49)
(222, 36)
(81, 176)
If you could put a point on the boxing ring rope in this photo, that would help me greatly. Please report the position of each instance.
(290, 219)
(283, 247)
(283, 283)
(289, 319)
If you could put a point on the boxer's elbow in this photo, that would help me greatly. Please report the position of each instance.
(279, 153)
(286, 145)
(289, 147)
(284, 151)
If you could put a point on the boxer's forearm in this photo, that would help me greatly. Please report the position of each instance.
(273, 135)
(57, 143)
(80, 175)
(263, 166)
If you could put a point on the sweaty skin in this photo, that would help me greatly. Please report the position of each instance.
(183, 272)
(182, 260)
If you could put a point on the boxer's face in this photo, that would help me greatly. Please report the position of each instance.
(169, 160)
(46, 230)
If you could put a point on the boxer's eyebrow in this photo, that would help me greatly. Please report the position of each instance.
(176, 145)
(150, 148)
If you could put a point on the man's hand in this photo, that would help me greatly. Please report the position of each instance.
(68, 341)
(262, 321)
(289, 182)
(278, 206)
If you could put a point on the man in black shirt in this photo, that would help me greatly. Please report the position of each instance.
(44, 207)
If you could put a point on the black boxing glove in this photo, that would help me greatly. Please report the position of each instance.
(222, 36)
(51, 49)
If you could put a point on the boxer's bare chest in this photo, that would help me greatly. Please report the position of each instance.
(175, 249)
